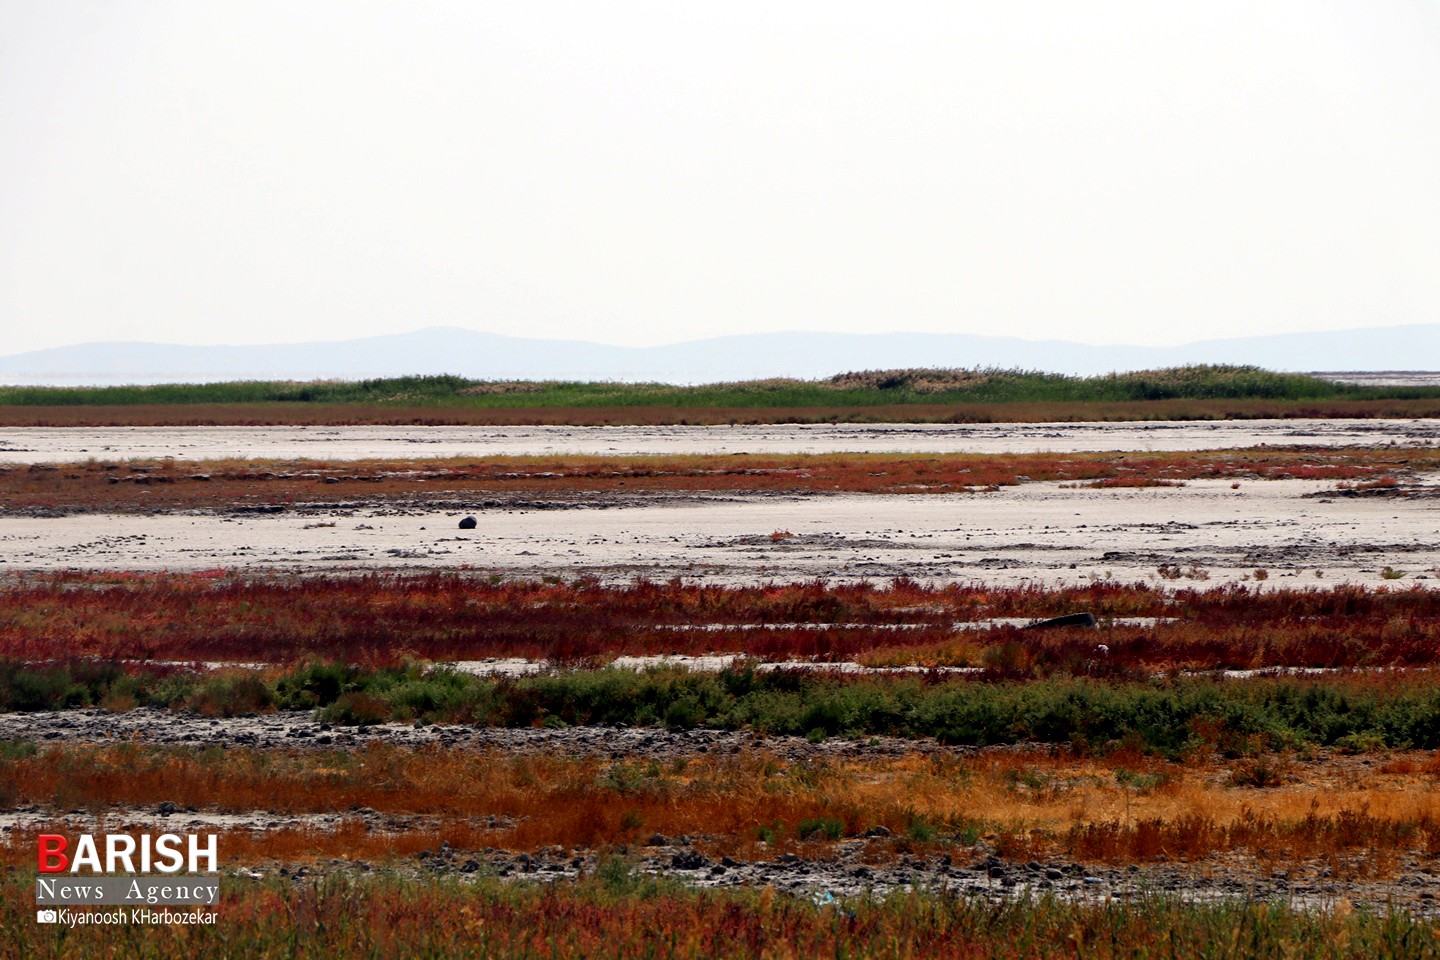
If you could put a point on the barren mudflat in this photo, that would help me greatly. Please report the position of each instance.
(1037, 533)
(69, 445)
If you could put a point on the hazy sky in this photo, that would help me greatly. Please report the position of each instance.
(637, 173)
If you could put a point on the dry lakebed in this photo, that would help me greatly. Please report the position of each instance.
(1302, 533)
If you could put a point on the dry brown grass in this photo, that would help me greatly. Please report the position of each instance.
(1125, 809)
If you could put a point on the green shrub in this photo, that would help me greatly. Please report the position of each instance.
(823, 828)
(231, 697)
(40, 687)
(920, 829)
(316, 684)
(356, 710)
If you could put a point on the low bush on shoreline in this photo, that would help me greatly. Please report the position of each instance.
(1164, 716)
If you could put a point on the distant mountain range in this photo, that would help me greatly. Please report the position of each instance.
(479, 355)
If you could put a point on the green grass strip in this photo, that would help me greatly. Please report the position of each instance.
(870, 388)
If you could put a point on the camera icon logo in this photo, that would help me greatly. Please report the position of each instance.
(47, 916)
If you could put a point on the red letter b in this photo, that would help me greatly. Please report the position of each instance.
(52, 853)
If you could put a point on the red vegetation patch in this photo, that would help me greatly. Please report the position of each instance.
(168, 485)
(380, 619)
(1109, 483)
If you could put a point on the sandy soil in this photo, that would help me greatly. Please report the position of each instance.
(71, 445)
(1032, 533)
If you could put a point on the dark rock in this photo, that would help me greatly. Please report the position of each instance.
(469, 523)
(1069, 620)
(689, 860)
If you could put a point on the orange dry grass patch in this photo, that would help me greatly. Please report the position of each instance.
(1125, 809)
(546, 800)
